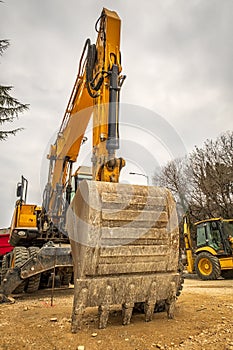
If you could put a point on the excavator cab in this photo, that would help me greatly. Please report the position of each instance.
(24, 224)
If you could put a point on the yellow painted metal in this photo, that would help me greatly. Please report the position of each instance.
(108, 54)
(213, 219)
(26, 216)
(226, 263)
(188, 245)
(207, 220)
(108, 174)
(70, 137)
(206, 249)
(205, 266)
(79, 110)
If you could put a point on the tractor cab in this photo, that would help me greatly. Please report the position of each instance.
(215, 233)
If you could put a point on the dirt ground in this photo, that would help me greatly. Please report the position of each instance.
(203, 321)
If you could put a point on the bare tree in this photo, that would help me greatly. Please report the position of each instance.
(174, 177)
(202, 183)
(212, 177)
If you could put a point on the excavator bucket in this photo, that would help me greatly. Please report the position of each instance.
(125, 248)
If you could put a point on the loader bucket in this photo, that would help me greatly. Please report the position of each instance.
(125, 248)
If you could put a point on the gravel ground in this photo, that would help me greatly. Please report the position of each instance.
(203, 321)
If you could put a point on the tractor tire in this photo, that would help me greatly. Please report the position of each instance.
(19, 257)
(227, 274)
(33, 282)
(207, 266)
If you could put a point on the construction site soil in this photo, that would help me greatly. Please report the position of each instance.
(203, 321)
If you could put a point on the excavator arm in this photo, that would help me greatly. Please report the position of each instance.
(95, 92)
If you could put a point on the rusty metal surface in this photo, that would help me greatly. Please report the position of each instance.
(125, 244)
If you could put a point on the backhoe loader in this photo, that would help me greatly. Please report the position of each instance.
(213, 256)
(124, 238)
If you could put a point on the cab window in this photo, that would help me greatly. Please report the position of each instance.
(215, 240)
(208, 234)
(201, 235)
(228, 228)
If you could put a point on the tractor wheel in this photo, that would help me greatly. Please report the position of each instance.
(19, 256)
(33, 282)
(227, 274)
(207, 266)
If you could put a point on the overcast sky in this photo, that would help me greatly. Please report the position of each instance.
(177, 55)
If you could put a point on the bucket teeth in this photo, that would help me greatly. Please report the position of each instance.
(124, 241)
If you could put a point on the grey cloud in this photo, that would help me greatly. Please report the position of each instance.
(177, 56)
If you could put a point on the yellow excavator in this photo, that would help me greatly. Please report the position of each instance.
(124, 238)
(213, 256)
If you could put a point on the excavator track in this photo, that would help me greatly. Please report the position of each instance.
(20, 256)
(33, 282)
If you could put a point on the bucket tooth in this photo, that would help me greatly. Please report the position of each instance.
(150, 302)
(128, 305)
(170, 302)
(79, 306)
(104, 308)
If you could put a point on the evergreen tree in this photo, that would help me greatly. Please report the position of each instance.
(10, 107)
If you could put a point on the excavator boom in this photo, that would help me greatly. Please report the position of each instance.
(96, 92)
